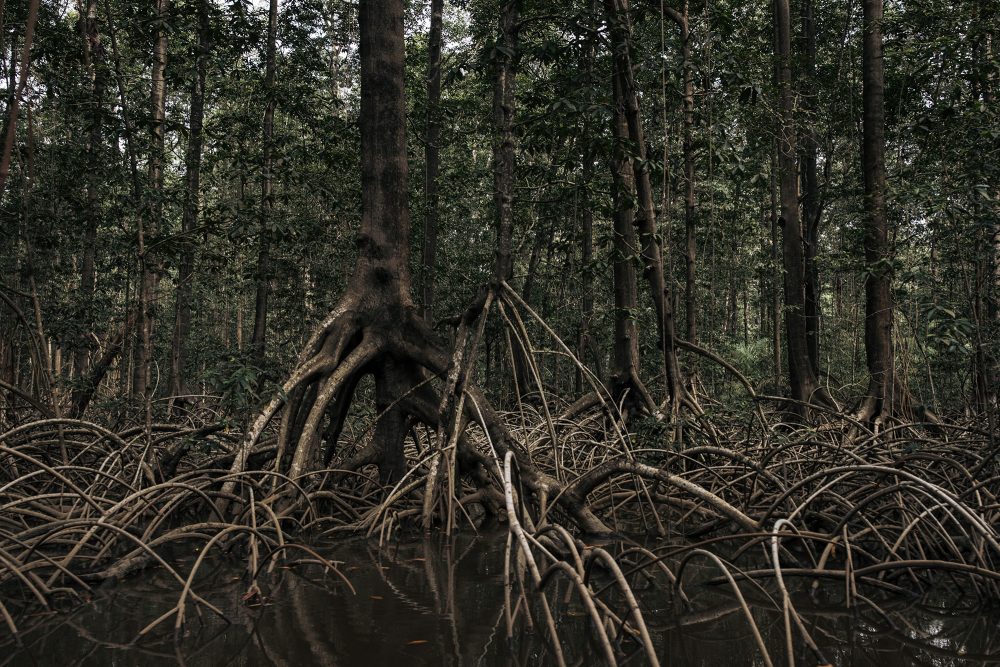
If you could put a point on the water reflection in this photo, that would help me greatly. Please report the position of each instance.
(437, 602)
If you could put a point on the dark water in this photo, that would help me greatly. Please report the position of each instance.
(436, 603)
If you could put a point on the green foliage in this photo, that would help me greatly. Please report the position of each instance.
(943, 135)
(237, 381)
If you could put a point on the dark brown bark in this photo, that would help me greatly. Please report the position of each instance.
(585, 347)
(645, 220)
(432, 159)
(376, 329)
(883, 395)
(189, 222)
(804, 385)
(393, 380)
(10, 136)
(87, 385)
(127, 127)
(384, 238)
(150, 259)
(625, 381)
(584, 344)
(506, 57)
(812, 207)
(543, 238)
(93, 51)
(775, 288)
(987, 300)
(258, 341)
(503, 140)
(690, 212)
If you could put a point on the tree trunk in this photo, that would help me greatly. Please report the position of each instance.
(543, 236)
(150, 261)
(87, 385)
(625, 382)
(10, 135)
(690, 212)
(988, 296)
(127, 127)
(583, 344)
(93, 52)
(804, 385)
(376, 329)
(258, 342)
(812, 207)
(883, 395)
(585, 349)
(189, 223)
(775, 271)
(503, 142)
(431, 160)
(506, 56)
(645, 221)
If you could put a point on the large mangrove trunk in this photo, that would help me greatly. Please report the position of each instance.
(377, 331)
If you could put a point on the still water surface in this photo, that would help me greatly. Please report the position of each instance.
(437, 603)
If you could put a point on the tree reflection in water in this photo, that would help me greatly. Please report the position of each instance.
(440, 602)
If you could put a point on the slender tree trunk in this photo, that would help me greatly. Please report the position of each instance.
(586, 206)
(258, 341)
(690, 212)
(731, 314)
(150, 260)
(503, 142)
(775, 272)
(805, 387)
(987, 298)
(883, 395)
(586, 286)
(431, 159)
(127, 128)
(3, 47)
(93, 51)
(543, 235)
(811, 205)
(993, 259)
(10, 136)
(503, 167)
(189, 223)
(625, 381)
(645, 221)
(43, 380)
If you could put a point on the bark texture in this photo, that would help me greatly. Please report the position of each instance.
(617, 13)
(804, 384)
(258, 341)
(150, 259)
(883, 394)
(432, 159)
(189, 222)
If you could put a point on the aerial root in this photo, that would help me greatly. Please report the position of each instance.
(888, 509)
